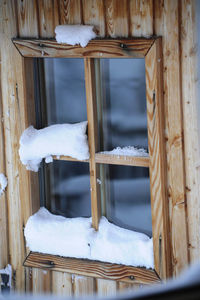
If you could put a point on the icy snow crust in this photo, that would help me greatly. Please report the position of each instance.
(74, 34)
(3, 183)
(75, 237)
(60, 139)
(127, 151)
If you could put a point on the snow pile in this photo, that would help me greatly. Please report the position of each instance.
(74, 34)
(60, 139)
(51, 234)
(127, 151)
(3, 183)
(7, 271)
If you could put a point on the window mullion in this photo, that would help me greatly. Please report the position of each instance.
(92, 139)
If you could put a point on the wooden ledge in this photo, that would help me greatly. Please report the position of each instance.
(91, 268)
(68, 158)
(98, 48)
(138, 161)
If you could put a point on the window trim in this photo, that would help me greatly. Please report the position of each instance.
(151, 50)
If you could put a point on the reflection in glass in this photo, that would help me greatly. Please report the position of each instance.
(128, 202)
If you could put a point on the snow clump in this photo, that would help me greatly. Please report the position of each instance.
(3, 183)
(127, 151)
(60, 139)
(74, 34)
(75, 237)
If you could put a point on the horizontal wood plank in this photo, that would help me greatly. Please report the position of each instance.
(105, 48)
(91, 268)
(68, 158)
(138, 161)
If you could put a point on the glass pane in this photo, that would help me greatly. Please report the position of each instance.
(70, 192)
(121, 102)
(127, 193)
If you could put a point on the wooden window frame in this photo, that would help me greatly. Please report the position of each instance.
(151, 50)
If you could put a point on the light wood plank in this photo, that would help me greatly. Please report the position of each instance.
(141, 17)
(167, 25)
(62, 284)
(41, 281)
(93, 14)
(70, 12)
(189, 65)
(96, 48)
(122, 160)
(68, 158)
(92, 141)
(83, 286)
(106, 287)
(156, 143)
(91, 268)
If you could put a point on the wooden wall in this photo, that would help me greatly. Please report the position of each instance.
(173, 20)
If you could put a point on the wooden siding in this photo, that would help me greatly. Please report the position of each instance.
(171, 19)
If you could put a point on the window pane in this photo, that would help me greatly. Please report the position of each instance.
(127, 193)
(121, 102)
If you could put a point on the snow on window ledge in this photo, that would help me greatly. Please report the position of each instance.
(127, 151)
(74, 34)
(3, 183)
(75, 237)
(60, 139)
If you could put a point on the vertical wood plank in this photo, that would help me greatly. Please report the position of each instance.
(106, 287)
(93, 14)
(124, 287)
(62, 284)
(141, 18)
(42, 282)
(167, 25)
(92, 140)
(48, 14)
(156, 145)
(83, 286)
(27, 18)
(189, 66)
(70, 12)
(116, 12)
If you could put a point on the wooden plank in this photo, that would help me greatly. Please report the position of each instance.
(48, 15)
(106, 287)
(157, 168)
(96, 48)
(62, 284)
(91, 268)
(141, 18)
(167, 25)
(122, 160)
(41, 281)
(70, 12)
(116, 12)
(92, 141)
(68, 158)
(27, 18)
(93, 14)
(124, 286)
(189, 65)
(83, 286)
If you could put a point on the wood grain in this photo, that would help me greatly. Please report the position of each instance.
(109, 48)
(83, 286)
(122, 160)
(62, 284)
(41, 281)
(106, 288)
(91, 268)
(68, 158)
(156, 145)
(189, 63)
(70, 12)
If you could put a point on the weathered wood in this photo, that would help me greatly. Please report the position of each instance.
(70, 12)
(83, 286)
(116, 14)
(91, 268)
(42, 281)
(124, 286)
(141, 17)
(109, 48)
(68, 158)
(92, 141)
(106, 287)
(156, 143)
(93, 14)
(27, 13)
(167, 25)
(62, 284)
(189, 65)
(122, 160)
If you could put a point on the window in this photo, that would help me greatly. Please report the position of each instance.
(151, 50)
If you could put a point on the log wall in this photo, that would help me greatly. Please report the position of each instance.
(174, 20)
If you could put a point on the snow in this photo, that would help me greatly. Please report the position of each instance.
(3, 183)
(7, 271)
(60, 139)
(127, 151)
(75, 237)
(74, 34)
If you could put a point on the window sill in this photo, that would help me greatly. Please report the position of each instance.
(91, 268)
